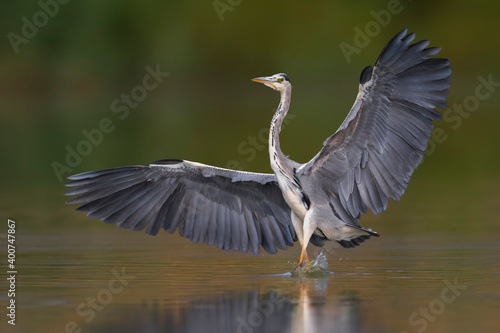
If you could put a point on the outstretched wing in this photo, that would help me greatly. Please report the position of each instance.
(373, 154)
(226, 208)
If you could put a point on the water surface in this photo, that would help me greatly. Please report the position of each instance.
(115, 280)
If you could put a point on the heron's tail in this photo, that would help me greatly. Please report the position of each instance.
(353, 236)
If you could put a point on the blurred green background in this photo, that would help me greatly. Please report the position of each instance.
(64, 79)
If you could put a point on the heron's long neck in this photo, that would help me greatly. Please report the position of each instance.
(276, 155)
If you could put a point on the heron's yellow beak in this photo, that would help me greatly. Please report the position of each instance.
(263, 79)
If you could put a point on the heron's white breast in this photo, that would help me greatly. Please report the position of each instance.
(292, 197)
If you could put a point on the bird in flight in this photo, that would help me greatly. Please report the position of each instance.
(368, 160)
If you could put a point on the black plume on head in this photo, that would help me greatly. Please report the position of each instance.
(285, 77)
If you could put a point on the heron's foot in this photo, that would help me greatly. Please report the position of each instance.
(307, 264)
(316, 268)
(304, 259)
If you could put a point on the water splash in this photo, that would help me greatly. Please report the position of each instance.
(319, 268)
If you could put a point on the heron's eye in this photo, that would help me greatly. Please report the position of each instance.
(281, 79)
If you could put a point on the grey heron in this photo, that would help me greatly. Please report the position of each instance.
(368, 160)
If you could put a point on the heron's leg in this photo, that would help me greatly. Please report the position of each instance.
(298, 225)
(307, 230)
(304, 258)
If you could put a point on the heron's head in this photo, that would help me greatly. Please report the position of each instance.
(278, 81)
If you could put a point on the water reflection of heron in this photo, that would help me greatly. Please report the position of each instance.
(315, 312)
(368, 160)
(297, 306)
